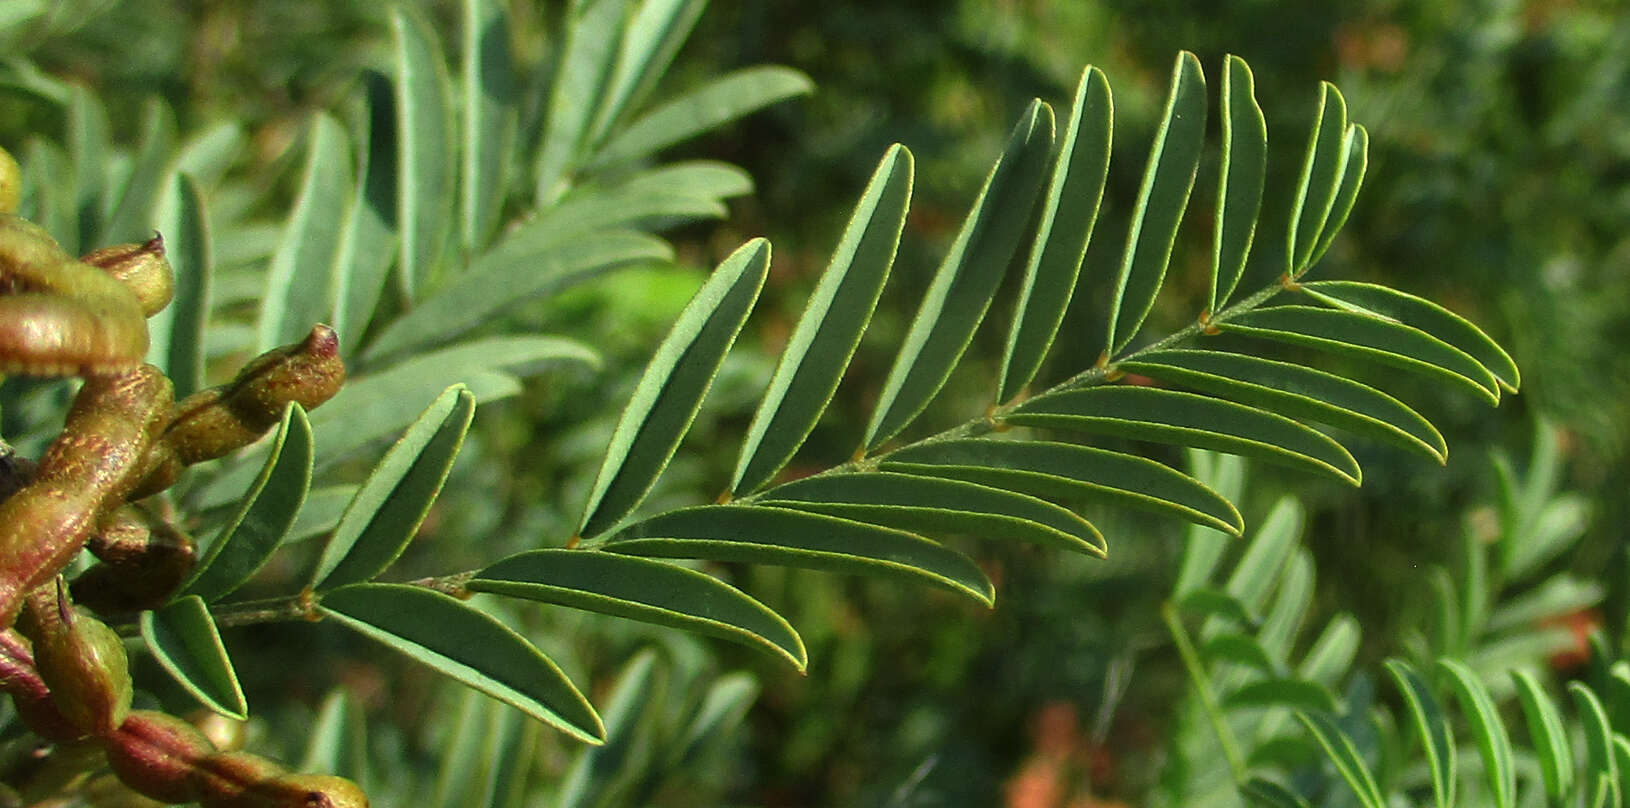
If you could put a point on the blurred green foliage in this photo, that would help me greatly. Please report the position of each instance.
(1499, 185)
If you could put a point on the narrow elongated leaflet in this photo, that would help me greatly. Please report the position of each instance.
(671, 391)
(1432, 727)
(592, 32)
(185, 642)
(722, 710)
(1321, 177)
(178, 333)
(967, 278)
(1186, 419)
(1241, 649)
(1240, 178)
(1167, 179)
(1339, 748)
(337, 737)
(693, 112)
(923, 504)
(653, 36)
(1486, 728)
(764, 535)
(1265, 793)
(89, 148)
(643, 589)
(1066, 219)
(388, 509)
(1067, 471)
(634, 697)
(468, 645)
(1297, 694)
(132, 216)
(264, 518)
(1357, 150)
(368, 239)
(1549, 736)
(1418, 312)
(1372, 338)
(829, 330)
(487, 115)
(1295, 391)
(299, 290)
(425, 163)
(1601, 786)
(1216, 603)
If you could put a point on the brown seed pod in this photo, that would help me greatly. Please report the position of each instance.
(90, 468)
(144, 560)
(142, 267)
(59, 316)
(155, 754)
(229, 779)
(28, 692)
(83, 662)
(306, 791)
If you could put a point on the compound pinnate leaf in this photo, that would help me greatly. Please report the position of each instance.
(425, 162)
(1295, 391)
(1066, 471)
(388, 509)
(268, 511)
(1432, 726)
(1240, 179)
(1321, 178)
(1549, 736)
(1067, 216)
(967, 279)
(670, 392)
(655, 32)
(1486, 728)
(1423, 314)
(785, 537)
(830, 328)
(692, 113)
(1372, 338)
(1186, 419)
(1174, 158)
(923, 504)
(184, 641)
(642, 589)
(467, 645)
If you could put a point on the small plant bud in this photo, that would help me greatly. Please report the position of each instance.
(142, 268)
(155, 754)
(83, 662)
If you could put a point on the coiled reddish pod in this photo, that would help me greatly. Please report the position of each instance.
(59, 316)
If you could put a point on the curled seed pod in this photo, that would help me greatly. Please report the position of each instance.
(306, 791)
(83, 662)
(213, 422)
(155, 754)
(59, 316)
(142, 267)
(11, 183)
(229, 779)
(144, 560)
(89, 469)
(28, 692)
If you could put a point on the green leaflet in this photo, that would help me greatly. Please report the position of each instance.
(264, 518)
(1240, 649)
(184, 642)
(830, 328)
(177, 332)
(654, 34)
(487, 97)
(939, 505)
(1486, 727)
(299, 288)
(593, 30)
(1432, 727)
(1265, 793)
(508, 274)
(1548, 734)
(1240, 179)
(641, 589)
(468, 646)
(1357, 150)
(1422, 314)
(461, 762)
(368, 240)
(425, 163)
(1368, 337)
(132, 216)
(1331, 655)
(338, 739)
(722, 709)
(967, 278)
(388, 509)
(1271, 546)
(1295, 391)
(1321, 178)
(1173, 159)
(1204, 600)
(1601, 768)
(1224, 476)
(599, 775)
(89, 146)
(1067, 216)
(1296, 694)
(764, 535)
(672, 388)
(1067, 471)
(1186, 419)
(1339, 748)
(721, 100)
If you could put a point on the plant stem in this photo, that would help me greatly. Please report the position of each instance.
(1202, 687)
